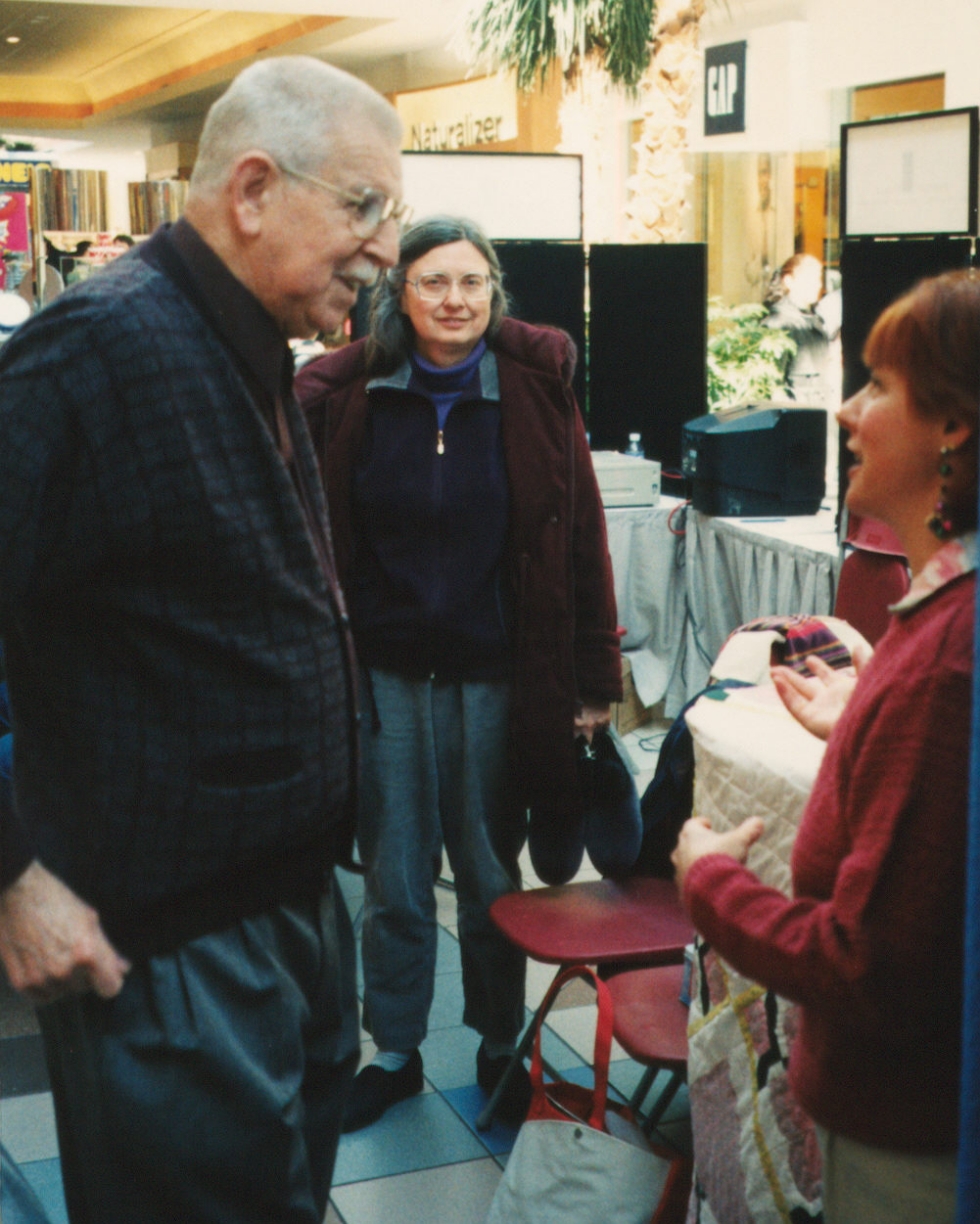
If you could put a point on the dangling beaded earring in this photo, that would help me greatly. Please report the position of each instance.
(939, 522)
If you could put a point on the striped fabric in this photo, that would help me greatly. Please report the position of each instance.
(801, 636)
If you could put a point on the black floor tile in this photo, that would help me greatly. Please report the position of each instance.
(22, 1067)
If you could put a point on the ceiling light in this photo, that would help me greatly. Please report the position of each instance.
(13, 38)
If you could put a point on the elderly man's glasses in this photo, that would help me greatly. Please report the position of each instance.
(369, 209)
(435, 286)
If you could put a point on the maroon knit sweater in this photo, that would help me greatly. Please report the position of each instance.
(871, 945)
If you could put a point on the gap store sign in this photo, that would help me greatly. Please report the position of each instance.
(724, 89)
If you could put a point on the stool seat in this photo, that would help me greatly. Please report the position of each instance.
(649, 1019)
(634, 921)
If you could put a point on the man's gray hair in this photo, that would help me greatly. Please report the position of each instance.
(391, 337)
(291, 107)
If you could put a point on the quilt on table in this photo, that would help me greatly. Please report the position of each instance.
(756, 1158)
(752, 759)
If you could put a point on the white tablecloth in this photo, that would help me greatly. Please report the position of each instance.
(755, 1152)
(685, 580)
(651, 593)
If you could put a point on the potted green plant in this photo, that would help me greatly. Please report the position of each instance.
(746, 359)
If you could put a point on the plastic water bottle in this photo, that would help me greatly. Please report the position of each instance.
(635, 447)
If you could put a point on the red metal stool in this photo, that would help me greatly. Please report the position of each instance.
(634, 922)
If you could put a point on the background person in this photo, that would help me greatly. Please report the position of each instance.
(471, 541)
(792, 296)
(180, 675)
(871, 943)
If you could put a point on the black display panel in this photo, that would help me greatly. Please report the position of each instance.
(647, 345)
(545, 282)
(873, 275)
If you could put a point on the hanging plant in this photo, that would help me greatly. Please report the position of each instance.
(647, 47)
(527, 35)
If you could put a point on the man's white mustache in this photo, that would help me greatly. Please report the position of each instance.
(365, 275)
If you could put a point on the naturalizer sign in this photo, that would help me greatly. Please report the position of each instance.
(462, 116)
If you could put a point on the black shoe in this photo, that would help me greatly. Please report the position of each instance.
(516, 1098)
(376, 1090)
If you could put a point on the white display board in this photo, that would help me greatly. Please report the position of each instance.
(510, 195)
(910, 176)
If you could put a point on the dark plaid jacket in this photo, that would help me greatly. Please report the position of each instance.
(176, 655)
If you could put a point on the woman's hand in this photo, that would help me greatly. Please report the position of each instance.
(817, 701)
(591, 718)
(697, 838)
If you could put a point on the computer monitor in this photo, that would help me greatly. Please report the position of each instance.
(757, 460)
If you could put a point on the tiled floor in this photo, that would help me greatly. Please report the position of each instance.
(425, 1160)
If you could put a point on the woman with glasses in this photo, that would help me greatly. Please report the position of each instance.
(471, 542)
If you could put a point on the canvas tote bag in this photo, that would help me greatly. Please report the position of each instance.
(580, 1158)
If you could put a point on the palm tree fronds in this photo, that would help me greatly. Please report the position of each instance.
(527, 35)
(628, 24)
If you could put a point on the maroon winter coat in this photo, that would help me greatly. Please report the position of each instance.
(566, 646)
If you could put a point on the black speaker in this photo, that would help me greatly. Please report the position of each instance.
(545, 282)
(873, 275)
(757, 461)
(647, 345)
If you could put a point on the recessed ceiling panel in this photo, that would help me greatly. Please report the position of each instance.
(74, 60)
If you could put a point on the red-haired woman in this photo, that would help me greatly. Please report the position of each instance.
(871, 942)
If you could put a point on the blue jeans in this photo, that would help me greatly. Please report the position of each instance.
(434, 775)
(211, 1089)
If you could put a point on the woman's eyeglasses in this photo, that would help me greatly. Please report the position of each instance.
(435, 286)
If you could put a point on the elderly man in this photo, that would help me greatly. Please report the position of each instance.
(180, 677)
